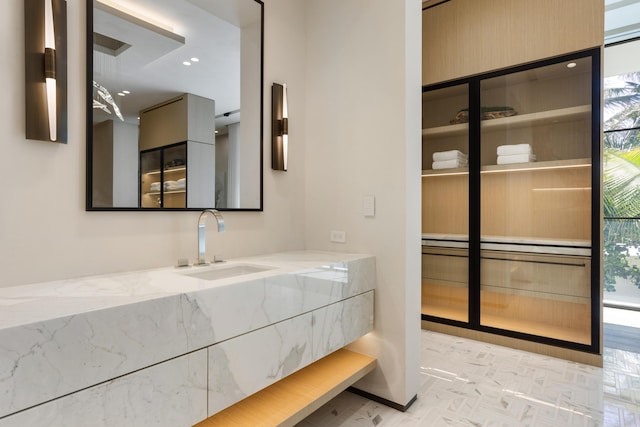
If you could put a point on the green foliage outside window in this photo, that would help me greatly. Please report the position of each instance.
(621, 178)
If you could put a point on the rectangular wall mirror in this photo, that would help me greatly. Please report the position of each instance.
(174, 104)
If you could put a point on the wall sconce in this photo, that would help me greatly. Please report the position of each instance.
(279, 127)
(45, 33)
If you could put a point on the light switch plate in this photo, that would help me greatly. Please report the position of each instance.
(369, 206)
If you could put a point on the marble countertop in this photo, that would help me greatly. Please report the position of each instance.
(25, 304)
(81, 332)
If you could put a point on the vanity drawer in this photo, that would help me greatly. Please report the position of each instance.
(169, 394)
(445, 265)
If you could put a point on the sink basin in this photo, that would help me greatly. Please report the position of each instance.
(223, 272)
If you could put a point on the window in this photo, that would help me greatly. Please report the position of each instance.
(621, 190)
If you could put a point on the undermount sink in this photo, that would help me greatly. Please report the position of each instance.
(224, 272)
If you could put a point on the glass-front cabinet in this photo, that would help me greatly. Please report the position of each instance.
(163, 177)
(511, 185)
(445, 201)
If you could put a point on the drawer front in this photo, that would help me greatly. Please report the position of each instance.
(545, 274)
(445, 265)
(170, 394)
(246, 364)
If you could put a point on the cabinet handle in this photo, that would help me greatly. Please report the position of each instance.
(447, 255)
(568, 264)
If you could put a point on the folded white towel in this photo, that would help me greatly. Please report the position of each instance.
(449, 164)
(449, 155)
(170, 185)
(181, 184)
(510, 150)
(154, 186)
(516, 158)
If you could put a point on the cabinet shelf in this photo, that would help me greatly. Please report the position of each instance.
(532, 119)
(516, 167)
(157, 193)
(168, 170)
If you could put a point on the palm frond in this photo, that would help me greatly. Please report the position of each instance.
(621, 182)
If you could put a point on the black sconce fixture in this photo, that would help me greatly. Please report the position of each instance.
(45, 33)
(279, 127)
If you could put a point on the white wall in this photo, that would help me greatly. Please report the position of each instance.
(352, 68)
(363, 137)
(621, 59)
(45, 233)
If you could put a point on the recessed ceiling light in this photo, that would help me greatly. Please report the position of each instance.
(194, 59)
(186, 63)
(571, 64)
(126, 92)
(121, 94)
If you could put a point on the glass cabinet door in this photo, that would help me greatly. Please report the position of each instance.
(175, 176)
(151, 178)
(163, 172)
(445, 201)
(536, 201)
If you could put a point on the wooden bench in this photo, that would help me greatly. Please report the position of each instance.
(293, 398)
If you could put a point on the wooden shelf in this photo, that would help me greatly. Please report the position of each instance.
(581, 336)
(521, 120)
(295, 397)
(562, 318)
(551, 164)
(517, 167)
(168, 170)
(157, 193)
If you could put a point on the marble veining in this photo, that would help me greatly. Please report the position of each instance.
(257, 359)
(139, 400)
(79, 333)
(248, 363)
(337, 325)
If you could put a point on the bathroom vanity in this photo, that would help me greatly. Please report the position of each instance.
(171, 347)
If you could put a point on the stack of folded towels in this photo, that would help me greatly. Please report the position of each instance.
(518, 153)
(449, 159)
(155, 187)
(180, 184)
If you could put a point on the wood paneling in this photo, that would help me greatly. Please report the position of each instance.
(445, 204)
(468, 37)
(541, 315)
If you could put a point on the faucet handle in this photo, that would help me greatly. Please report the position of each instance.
(182, 262)
(201, 262)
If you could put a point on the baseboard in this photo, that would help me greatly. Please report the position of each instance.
(389, 403)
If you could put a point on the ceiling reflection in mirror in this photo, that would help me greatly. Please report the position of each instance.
(175, 115)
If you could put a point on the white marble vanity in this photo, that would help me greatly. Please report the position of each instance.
(168, 348)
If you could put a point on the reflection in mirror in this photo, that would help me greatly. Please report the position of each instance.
(174, 104)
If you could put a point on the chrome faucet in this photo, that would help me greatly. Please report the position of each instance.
(202, 233)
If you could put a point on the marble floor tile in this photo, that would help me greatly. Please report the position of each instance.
(469, 383)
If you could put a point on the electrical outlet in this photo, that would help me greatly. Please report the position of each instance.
(338, 236)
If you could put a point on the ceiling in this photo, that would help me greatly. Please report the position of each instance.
(621, 20)
(159, 36)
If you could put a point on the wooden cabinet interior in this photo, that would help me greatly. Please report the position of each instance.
(177, 149)
(187, 117)
(163, 177)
